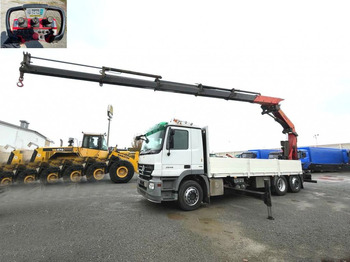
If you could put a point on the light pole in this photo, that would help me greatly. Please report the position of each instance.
(315, 136)
(110, 115)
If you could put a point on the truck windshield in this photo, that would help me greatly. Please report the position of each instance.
(154, 144)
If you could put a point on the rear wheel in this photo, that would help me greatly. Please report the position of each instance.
(190, 195)
(26, 177)
(6, 179)
(280, 186)
(49, 176)
(294, 184)
(121, 172)
(95, 172)
(73, 174)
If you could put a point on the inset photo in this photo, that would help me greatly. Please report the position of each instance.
(33, 24)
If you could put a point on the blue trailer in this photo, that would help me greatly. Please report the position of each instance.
(322, 159)
(258, 153)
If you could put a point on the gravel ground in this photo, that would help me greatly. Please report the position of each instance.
(111, 222)
(6, 4)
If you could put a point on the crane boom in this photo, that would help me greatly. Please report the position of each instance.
(269, 105)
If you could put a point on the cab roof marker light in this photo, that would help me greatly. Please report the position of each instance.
(180, 122)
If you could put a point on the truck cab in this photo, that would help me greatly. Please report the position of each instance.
(258, 153)
(169, 152)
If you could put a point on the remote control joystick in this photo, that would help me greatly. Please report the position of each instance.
(35, 22)
(48, 21)
(22, 22)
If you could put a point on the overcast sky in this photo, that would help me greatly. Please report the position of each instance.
(298, 51)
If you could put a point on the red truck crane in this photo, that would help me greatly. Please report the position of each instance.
(269, 105)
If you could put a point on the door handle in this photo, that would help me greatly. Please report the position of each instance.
(187, 166)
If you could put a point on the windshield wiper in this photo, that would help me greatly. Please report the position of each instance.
(148, 151)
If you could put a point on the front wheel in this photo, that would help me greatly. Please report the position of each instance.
(190, 195)
(121, 172)
(280, 186)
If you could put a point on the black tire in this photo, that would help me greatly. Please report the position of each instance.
(280, 186)
(121, 172)
(26, 177)
(6, 178)
(73, 174)
(294, 183)
(49, 176)
(95, 172)
(190, 195)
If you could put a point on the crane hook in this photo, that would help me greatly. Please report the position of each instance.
(20, 82)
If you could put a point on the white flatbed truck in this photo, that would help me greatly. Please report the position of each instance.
(174, 165)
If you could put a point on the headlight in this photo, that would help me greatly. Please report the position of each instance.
(151, 186)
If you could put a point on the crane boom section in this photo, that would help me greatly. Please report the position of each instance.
(156, 84)
(270, 105)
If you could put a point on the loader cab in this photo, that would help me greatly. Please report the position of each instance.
(94, 141)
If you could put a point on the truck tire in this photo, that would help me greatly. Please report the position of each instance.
(121, 172)
(95, 172)
(73, 174)
(6, 179)
(280, 186)
(294, 183)
(49, 176)
(26, 177)
(190, 195)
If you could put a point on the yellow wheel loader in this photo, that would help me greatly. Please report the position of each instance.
(92, 160)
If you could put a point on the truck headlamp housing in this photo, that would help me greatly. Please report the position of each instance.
(151, 186)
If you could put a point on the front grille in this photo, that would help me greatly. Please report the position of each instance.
(145, 171)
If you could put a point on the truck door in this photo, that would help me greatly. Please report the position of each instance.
(176, 153)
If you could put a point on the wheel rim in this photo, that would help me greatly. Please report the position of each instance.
(99, 173)
(52, 178)
(6, 181)
(191, 196)
(29, 179)
(75, 176)
(281, 185)
(295, 182)
(122, 171)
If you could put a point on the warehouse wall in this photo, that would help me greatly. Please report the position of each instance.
(19, 138)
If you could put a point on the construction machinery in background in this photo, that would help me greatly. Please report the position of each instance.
(92, 160)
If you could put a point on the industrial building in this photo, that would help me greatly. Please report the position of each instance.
(19, 137)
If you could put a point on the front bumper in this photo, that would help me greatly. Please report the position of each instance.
(159, 193)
